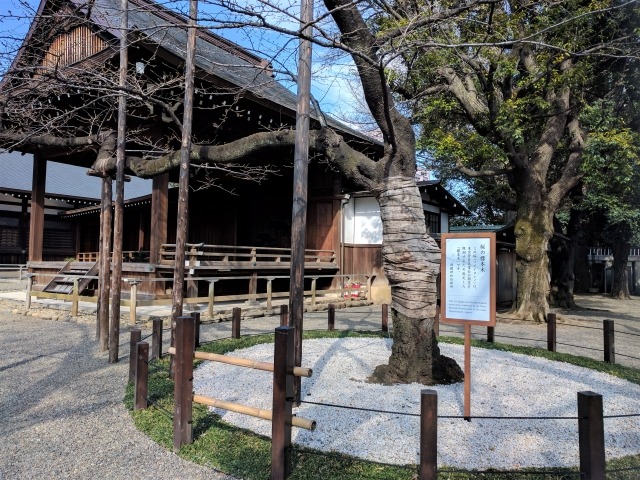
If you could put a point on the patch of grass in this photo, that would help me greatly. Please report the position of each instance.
(246, 455)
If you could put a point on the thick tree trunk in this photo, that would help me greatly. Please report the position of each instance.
(561, 256)
(577, 232)
(411, 263)
(620, 284)
(533, 231)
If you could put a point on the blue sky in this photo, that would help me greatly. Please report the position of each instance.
(332, 79)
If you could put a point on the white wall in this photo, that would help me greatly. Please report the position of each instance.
(362, 222)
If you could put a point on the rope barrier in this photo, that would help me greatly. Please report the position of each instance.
(392, 412)
(624, 415)
(627, 333)
(485, 473)
(578, 326)
(626, 356)
(144, 338)
(160, 407)
(521, 338)
(580, 346)
(618, 470)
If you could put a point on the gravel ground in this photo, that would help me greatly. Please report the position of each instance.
(503, 384)
(61, 402)
(62, 412)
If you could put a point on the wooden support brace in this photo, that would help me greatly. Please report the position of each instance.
(183, 382)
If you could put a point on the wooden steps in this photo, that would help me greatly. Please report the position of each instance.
(63, 282)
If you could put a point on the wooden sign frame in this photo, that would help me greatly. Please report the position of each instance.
(463, 251)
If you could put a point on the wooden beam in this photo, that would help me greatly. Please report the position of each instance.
(159, 215)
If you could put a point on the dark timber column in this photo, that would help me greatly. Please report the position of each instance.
(159, 215)
(24, 231)
(36, 222)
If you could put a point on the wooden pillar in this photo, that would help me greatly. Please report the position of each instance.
(36, 222)
(104, 272)
(159, 215)
(24, 231)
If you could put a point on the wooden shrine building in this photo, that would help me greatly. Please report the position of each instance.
(59, 104)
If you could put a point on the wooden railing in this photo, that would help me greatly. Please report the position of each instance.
(127, 256)
(607, 252)
(240, 257)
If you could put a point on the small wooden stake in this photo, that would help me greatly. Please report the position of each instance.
(211, 298)
(284, 315)
(196, 316)
(491, 334)
(385, 317)
(136, 335)
(609, 341)
(331, 317)
(156, 339)
(29, 288)
(428, 435)
(269, 293)
(183, 384)
(235, 322)
(141, 375)
(467, 372)
(133, 303)
(591, 436)
(283, 392)
(551, 332)
(74, 301)
(314, 283)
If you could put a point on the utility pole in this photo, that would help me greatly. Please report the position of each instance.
(185, 150)
(300, 186)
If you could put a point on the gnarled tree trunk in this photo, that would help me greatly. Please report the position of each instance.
(411, 262)
(533, 231)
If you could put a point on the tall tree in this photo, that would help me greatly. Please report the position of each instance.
(505, 100)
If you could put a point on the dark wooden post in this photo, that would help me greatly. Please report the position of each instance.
(491, 334)
(385, 317)
(36, 221)
(282, 403)
(196, 316)
(136, 336)
(609, 341)
(156, 339)
(300, 184)
(141, 376)
(159, 216)
(172, 343)
(331, 317)
(591, 436)
(185, 151)
(428, 435)
(235, 322)
(551, 332)
(183, 383)
(284, 315)
(104, 272)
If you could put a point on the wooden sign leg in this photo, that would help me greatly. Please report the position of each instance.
(467, 372)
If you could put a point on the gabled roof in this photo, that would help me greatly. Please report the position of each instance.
(16, 173)
(442, 197)
(218, 57)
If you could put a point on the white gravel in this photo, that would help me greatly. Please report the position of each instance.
(503, 384)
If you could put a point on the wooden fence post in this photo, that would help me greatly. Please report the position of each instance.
(136, 336)
(235, 322)
(551, 332)
(284, 315)
(74, 300)
(609, 341)
(196, 316)
(183, 383)
(172, 360)
(369, 282)
(491, 334)
(314, 283)
(269, 293)
(133, 302)
(211, 298)
(29, 288)
(428, 435)
(385, 318)
(331, 317)
(156, 339)
(591, 436)
(283, 393)
(141, 376)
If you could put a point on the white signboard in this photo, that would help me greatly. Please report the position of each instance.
(468, 278)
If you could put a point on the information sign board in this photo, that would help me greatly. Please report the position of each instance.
(468, 278)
